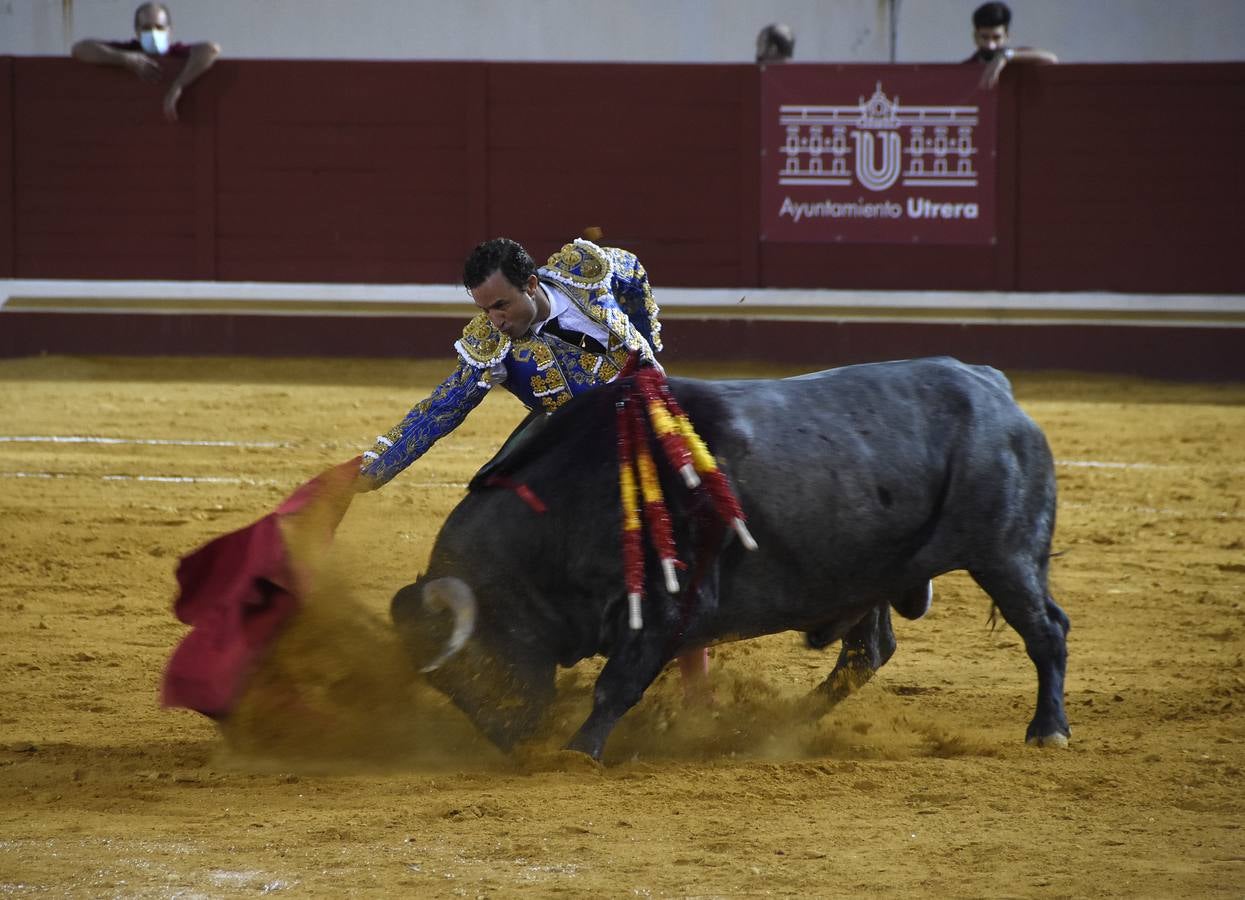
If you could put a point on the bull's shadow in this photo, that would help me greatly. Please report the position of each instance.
(860, 485)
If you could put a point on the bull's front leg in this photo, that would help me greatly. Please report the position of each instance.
(866, 647)
(622, 682)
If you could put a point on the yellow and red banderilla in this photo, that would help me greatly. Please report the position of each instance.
(632, 534)
(683, 446)
(639, 486)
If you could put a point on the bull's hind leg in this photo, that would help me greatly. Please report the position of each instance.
(1022, 597)
(866, 647)
(622, 682)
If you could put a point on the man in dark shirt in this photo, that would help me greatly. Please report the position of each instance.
(990, 33)
(153, 31)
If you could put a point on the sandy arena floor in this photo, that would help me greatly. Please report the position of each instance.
(920, 785)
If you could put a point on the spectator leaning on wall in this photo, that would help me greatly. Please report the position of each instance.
(990, 33)
(153, 31)
(775, 43)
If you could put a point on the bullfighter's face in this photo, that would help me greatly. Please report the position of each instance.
(512, 310)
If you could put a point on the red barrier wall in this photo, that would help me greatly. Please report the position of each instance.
(104, 188)
(1110, 177)
(329, 171)
(7, 172)
(663, 157)
(1130, 178)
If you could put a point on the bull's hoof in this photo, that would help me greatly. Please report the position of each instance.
(574, 761)
(841, 684)
(1050, 740)
(543, 759)
(587, 746)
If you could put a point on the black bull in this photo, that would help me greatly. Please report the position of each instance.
(860, 485)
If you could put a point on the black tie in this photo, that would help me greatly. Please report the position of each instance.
(574, 338)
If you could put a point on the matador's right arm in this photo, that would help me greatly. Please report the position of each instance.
(429, 421)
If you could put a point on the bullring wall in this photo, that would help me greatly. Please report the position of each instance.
(1111, 178)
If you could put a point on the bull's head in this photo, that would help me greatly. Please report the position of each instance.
(421, 620)
(486, 676)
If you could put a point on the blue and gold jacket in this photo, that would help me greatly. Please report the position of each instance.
(607, 284)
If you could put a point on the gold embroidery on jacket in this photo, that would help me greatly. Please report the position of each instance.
(581, 262)
(481, 344)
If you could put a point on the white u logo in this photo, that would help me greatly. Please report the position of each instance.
(873, 176)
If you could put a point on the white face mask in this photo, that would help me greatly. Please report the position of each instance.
(154, 40)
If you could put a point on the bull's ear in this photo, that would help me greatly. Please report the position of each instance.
(454, 595)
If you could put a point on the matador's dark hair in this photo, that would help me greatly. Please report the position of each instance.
(499, 253)
(992, 15)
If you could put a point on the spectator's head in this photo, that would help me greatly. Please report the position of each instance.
(775, 43)
(153, 26)
(501, 278)
(990, 24)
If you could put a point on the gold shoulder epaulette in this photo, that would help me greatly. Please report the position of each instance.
(482, 345)
(579, 264)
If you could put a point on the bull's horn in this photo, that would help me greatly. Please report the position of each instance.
(452, 594)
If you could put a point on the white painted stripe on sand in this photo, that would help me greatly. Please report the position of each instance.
(1100, 464)
(202, 479)
(92, 439)
(196, 442)
(187, 479)
(461, 485)
(165, 479)
(189, 442)
(1154, 510)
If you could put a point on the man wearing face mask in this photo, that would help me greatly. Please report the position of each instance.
(153, 30)
(990, 33)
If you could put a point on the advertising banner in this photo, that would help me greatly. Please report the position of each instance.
(877, 155)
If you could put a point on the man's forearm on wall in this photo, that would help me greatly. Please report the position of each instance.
(1034, 55)
(202, 56)
(97, 53)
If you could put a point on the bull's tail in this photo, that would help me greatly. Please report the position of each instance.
(992, 620)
